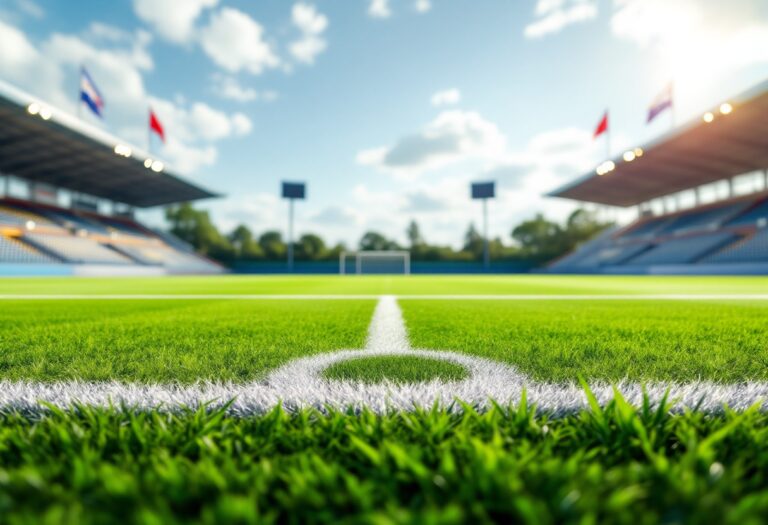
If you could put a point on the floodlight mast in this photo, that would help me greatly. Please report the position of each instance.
(292, 191)
(484, 191)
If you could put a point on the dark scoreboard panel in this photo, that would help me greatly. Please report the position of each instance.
(294, 190)
(483, 190)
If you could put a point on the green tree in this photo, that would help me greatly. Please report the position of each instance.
(374, 241)
(195, 227)
(244, 245)
(310, 247)
(271, 243)
(413, 232)
(473, 241)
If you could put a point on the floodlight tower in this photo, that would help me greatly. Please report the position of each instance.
(484, 191)
(292, 191)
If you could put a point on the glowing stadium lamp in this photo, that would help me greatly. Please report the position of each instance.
(484, 191)
(33, 108)
(148, 163)
(629, 156)
(708, 117)
(45, 113)
(123, 150)
(157, 166)
(639, 152)
(292, 191)
(725, 108)
(30, 225)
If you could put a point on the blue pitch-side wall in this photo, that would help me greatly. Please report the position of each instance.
(419, 267)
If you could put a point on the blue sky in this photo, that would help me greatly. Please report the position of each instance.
(387, 108)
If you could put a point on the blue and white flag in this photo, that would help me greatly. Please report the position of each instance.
(89, 93)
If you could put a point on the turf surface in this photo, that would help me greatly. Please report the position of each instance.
(636, 340)
(612, 465)
(399, 285)
(617, 465)
(170, 341)
(398, 369)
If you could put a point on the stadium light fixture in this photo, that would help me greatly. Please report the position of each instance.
(45, 113)
(708, 117)
(638, 152)
(725, 108)
(148, 163)
(606, 167)
(629, 156)
(292, 191)
(157, 166)
(30, 225)
(123, 150)
(484, 191)
(33, 108)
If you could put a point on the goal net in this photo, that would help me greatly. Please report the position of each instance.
(374, 262)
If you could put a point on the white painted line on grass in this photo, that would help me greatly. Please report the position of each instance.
(437, 297)
(300, 383)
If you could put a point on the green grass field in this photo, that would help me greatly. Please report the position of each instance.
(618, 464)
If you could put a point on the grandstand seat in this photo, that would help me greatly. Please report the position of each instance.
(14, 251)
(612, 255)
(752, 216)
(647, 228)
(167, 257)
(16, 217)
(683, 250)
(76, 249)
(751, 250)
(708, 219)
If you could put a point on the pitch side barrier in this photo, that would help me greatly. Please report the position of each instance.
(417, 267)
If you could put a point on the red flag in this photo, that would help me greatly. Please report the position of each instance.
(602, 127)
(154, 125)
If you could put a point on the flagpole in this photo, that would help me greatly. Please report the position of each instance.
(149, 136)
(78, 101)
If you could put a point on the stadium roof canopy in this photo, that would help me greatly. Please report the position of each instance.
(42, 144)
(732, 142)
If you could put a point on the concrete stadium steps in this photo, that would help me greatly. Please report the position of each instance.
(15, 251)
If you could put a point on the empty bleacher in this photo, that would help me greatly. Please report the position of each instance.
(753, 249)
(14, 251)
(729, 233)
(75, 249)
(41, 233)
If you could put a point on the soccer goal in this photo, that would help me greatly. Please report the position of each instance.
(375, 262)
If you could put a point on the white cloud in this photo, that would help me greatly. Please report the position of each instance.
(453, 136)
(173, 20)
(552, 16)
(312, 24)
(423, 6)
(697, 42)
(379, 9)
(446, 97)
(336, 216)
(30, 8)
(228, 87)
(117, 61)
(199, 122)
(235, 42)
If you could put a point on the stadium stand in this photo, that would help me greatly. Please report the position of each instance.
(50, 152)
(725, 236)
(14, 251)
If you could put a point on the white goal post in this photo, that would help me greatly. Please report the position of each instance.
(377, 262)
